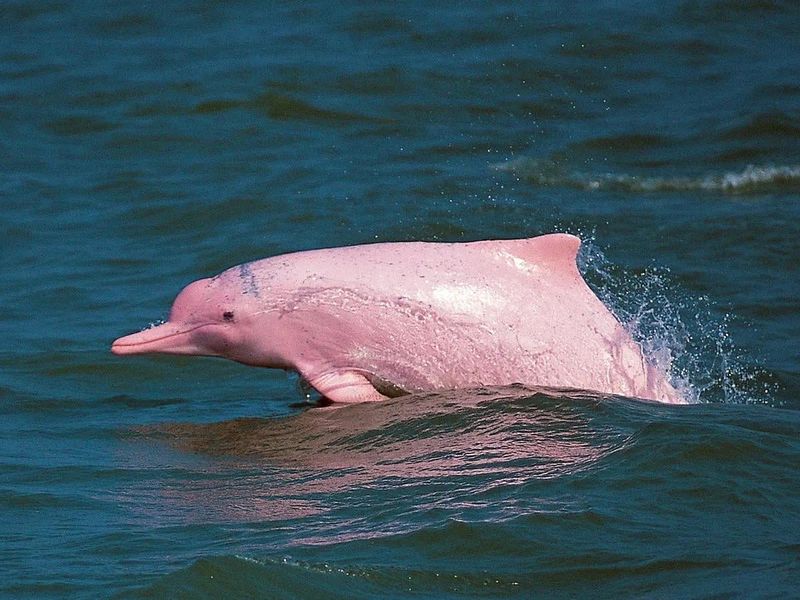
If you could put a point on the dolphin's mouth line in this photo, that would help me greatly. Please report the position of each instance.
(164, 337)
(123, 344)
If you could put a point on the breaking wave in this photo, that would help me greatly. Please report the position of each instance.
(752, 179)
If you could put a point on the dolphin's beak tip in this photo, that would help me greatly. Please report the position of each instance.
(120, 347)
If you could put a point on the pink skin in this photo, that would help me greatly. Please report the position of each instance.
(365, 323)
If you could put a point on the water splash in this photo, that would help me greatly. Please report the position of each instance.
(681, 335)
(752, 179)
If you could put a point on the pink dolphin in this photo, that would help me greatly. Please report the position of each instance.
(368, 322)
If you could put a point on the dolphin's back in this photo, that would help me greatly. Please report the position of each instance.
(423, 315)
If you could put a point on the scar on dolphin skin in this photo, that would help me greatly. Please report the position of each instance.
(248, 279)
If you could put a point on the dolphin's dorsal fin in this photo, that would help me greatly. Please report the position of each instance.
(559, 250)
(556, 251)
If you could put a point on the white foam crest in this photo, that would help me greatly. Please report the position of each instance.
(751, 179)
(753, 175)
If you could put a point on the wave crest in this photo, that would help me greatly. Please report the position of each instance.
(752, 179)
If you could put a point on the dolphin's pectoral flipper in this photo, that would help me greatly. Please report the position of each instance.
(346, 386)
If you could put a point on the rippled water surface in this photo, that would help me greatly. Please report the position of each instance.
(145, 145)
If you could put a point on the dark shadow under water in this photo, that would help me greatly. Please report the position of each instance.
(472, 440)
(501, 491)
(421, 435)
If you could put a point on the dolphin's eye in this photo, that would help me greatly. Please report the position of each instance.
(227, 315)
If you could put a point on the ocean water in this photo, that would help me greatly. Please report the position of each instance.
(148, 144)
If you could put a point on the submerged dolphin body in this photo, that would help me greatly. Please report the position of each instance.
(368, 322)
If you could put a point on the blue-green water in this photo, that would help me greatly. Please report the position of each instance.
(145, 145)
